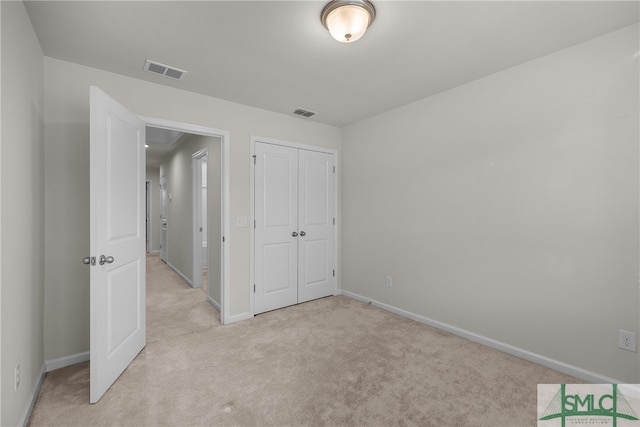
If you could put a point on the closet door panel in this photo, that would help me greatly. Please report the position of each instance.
(316, 214)
(276, 215)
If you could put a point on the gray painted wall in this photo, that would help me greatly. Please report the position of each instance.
(22, 221)
(508, 207)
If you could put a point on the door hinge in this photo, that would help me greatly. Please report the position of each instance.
(334, 169)
(334, 273)
(254, 159)
(254, 223)
(254, 288)
(334, 221)
(222, 239)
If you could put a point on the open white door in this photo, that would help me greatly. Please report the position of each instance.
(117, 179)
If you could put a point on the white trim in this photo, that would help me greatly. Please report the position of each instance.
(148, 201)
(252, 231)
(279, 142)
(164, 216)
(225, 136)
(26, 413)
(179, 273)
(63, 362)
(556, 365)
(240, 317)
(196, 212)
(213, 302)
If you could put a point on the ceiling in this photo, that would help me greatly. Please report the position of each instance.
(159, 143)
(278, 56)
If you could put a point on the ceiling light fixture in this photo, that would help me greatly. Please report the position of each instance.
(348, 20)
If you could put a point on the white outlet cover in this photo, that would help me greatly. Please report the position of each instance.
(627, 340)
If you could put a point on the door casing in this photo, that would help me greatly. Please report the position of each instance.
(197, 204)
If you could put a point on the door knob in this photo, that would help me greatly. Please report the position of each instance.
(302, 233)
(105, 260)
(294, 234)
(89, 260)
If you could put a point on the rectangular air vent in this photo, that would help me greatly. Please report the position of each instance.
(164, 70)
(304, 113)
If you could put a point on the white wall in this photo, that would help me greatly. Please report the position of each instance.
(153, 176)
(177, 166)
(67, 172)
(508, 207)
(22, 201)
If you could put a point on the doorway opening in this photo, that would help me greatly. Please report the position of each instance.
(191, 215)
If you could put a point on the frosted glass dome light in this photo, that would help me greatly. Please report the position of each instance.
(348, 20)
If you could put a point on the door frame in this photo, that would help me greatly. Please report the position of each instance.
(336, 207)
(225, 144)
(164, 219)
(147, 222)
(196, 211)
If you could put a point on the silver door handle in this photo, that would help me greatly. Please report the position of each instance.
(89, 260)
(302, 233)
(105, 260)
(294, 234)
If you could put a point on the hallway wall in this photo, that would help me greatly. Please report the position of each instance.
(177, 166)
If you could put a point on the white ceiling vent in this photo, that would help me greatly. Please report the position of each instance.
(164, 70)
(304, 113)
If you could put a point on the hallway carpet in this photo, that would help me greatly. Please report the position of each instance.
(332, 362)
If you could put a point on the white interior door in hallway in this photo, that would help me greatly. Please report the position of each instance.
(294, 202)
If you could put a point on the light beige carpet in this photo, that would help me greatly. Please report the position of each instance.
(331, 362)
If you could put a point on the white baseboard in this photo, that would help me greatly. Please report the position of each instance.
(182, 276)
(213, 302)
(239, 317)
(63, 362)
(26, 413)
(556, 365)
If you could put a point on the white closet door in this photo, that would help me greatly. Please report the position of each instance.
(316, 212)
(276, 215)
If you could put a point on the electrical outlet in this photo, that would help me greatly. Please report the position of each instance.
(17, 377)
(388, 281)
(627, 340)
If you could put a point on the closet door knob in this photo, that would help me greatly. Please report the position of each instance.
(302, 233)
(294, 234)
